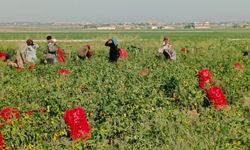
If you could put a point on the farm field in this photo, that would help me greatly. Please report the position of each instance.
(143, 103)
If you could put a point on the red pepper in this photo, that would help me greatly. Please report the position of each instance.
(123, 54)
(8, 113)
(1, 142)
(217, 97)
(64, 72)
(61, 57)
(205, 78)
(77, 123)
(2, 56)
(19, 69)
(36, 111)
(237, 66)
(184, 50)
(32, 67)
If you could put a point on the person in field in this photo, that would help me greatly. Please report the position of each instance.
(85, 52)
(114, 50)
(167, 50)
(246, 54)
(51, 50)
(25, 54)
(31, 51)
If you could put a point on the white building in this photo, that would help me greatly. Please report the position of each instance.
(154, 27)
(106, 28)
(167, 27)
(201, 25)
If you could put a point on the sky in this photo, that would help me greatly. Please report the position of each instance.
(113, 11)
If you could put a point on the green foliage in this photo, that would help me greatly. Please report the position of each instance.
(161, 110)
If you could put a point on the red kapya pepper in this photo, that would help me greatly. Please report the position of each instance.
(217, 97)
(40, 110)
(63, 72)
(32, 67)
(77, 123)
(1, 142)
(184, 50)
(205, 79)
(19, 69)
(7, 113)
(2, 56)
(60, 55)
(237, 66)
(123, 54)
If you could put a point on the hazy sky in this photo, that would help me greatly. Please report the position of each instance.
(124, 10)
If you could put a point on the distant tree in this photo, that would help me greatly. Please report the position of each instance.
(188, 26)
(236, 26)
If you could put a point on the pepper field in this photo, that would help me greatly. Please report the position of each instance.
(143, 103)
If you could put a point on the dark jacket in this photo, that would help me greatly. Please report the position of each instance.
(113, 52)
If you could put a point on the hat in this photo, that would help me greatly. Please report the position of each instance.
(114, 40)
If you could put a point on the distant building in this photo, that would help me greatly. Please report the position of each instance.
(244, 25)
(167, 27)
(154, 27)
(106, 28)
(201, 25)
(127, 27)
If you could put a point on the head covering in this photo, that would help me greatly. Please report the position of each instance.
(165, 38)
(88, 46)
(114, 41)
(49, 37)
(29, 42)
